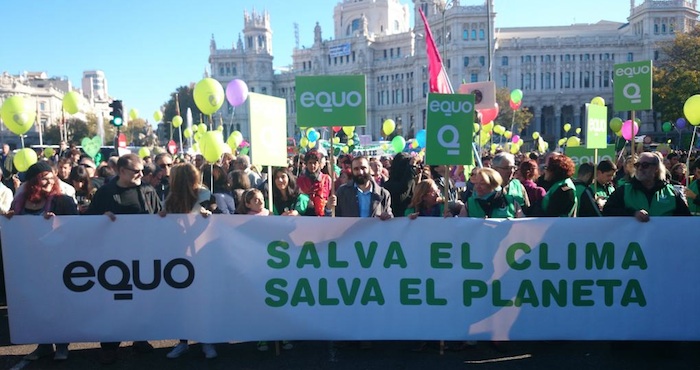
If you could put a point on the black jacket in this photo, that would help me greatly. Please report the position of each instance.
(105, 199)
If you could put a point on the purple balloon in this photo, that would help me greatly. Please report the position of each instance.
(236, 92)
(680, 123)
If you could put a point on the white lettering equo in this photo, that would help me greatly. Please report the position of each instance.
(448, 108)
(329, 100)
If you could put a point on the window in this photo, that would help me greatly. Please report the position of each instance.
(42, 106)
(228, 68)
(391, 52)
(482, 61)
(586, 79)
(396, 25)
(221, 69)
(528, 59)
(547, 58)
(630, 57)
(567, 57)
(235, 72)
(473, 34)
(398, 53)
(606, 79)
(466, 61)
(474, 77)
(384, 53)
(425, 89)
(567, 80)
(527, 81)
(482, 35)
(504, 80)
(465, 34)
(264, 90)
(504, 61)
(547, 84)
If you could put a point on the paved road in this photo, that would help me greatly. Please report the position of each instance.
(383, 355)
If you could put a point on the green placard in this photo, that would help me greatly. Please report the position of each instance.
(331, 101)
(580, 154)
(632, 86)
(596, 126)
(449, 131)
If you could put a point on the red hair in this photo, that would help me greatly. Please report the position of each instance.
(33, 192)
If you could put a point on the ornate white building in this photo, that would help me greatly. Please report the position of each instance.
(559, 68)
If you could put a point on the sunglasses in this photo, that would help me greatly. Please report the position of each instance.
(644, 165)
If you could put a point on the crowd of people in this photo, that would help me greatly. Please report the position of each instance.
(506, 186)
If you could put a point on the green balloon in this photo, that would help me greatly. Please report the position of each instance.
(91, 146)
(70, 102)
(17, 115)
(398, 143)
(616, 124)
(208, 95)
(667, 126)
(24, 158)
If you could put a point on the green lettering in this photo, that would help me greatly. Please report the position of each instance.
(634, 257)
(608, 290)
(395, 256)
(572, 256)
(467, 264)
(323, 298)
(473, 289)
(276, 250)
(430, 294)
(273, 287)
(366, 258)
(544, 259)
(549, 292)
(633, 294)
(526, 294)
(308, 256)
(578, 292)
(406, 290)
(303, 293)
(349, 295)
(599, 258)
(510, 256)
(436, 255)
(496, 297)
(333, 257)
(372, 293)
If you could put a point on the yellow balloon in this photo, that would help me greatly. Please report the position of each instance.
(71, 101)
(133, 113)
(236, 138)
(49, 152)
(414, 144)
(144, 152)
(157, 115)
(17, 114)
(345, 149)
(500, 130)
(562, 141)
(535, 135)
(578, 130)
(303, 142)
(488, 127)
(508, 135)
(212, 145)
(514, 149)
(220, 128)
(598, 101)
(477, 127)
(691, 110)
(351, 142)
(573, 141)
(567, 127)
(177, 121)
(187, 133)
(208, 95)
(198, 135)
(348, 130)
(201, 128)
(484, 139)
(336, 140)
(24, 158)
(387, 127)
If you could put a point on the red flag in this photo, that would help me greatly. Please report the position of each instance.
(438, 81)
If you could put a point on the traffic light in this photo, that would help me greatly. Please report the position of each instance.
(117, 113)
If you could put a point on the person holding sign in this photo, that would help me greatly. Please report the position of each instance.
(488, 199)
(426, 201)
(361, 197)
(314, 183)
(560, 200)
(647, 194)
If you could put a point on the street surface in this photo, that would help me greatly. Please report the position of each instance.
(391, 355)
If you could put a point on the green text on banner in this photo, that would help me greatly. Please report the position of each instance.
(596, 126)
(632, 86)
(331, 101)
(268, 129)
(450, 126)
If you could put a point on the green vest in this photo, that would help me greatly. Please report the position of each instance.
(568, 182)
(476, 211)
(663, 202)
(516, 190)
(694, 208)
(604, 191)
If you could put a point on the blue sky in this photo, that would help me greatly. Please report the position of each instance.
(148, 48)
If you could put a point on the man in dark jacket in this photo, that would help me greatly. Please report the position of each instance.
(362, 197)
(125, 194)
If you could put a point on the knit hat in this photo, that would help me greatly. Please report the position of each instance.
(36, 169)
(312, 154)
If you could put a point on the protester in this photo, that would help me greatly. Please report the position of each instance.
(587, 205)
(504, 163)
(63, 168)
(627, 171)
(125, 194)
(188, 195)
(542, 180)
(252, 203)
(242, 163)
(488, 199)
(42, 197)
(165, 162)
(528, 172)
(427, 201)
(286, 198)
(604, 186)
(678, 174)
(220, 189)
(646, 194)
(560, 200)
(362, 197)
(437, 174)
(239, 184)
(314, 183)
(84, 188)
(403, 177)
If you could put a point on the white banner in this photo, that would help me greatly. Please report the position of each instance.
(142, 277)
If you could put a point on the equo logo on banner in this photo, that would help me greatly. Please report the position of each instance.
(77, 270)
(331, 100)
(632, 90)
(452, 133)
(597, 126)
(451, 107)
